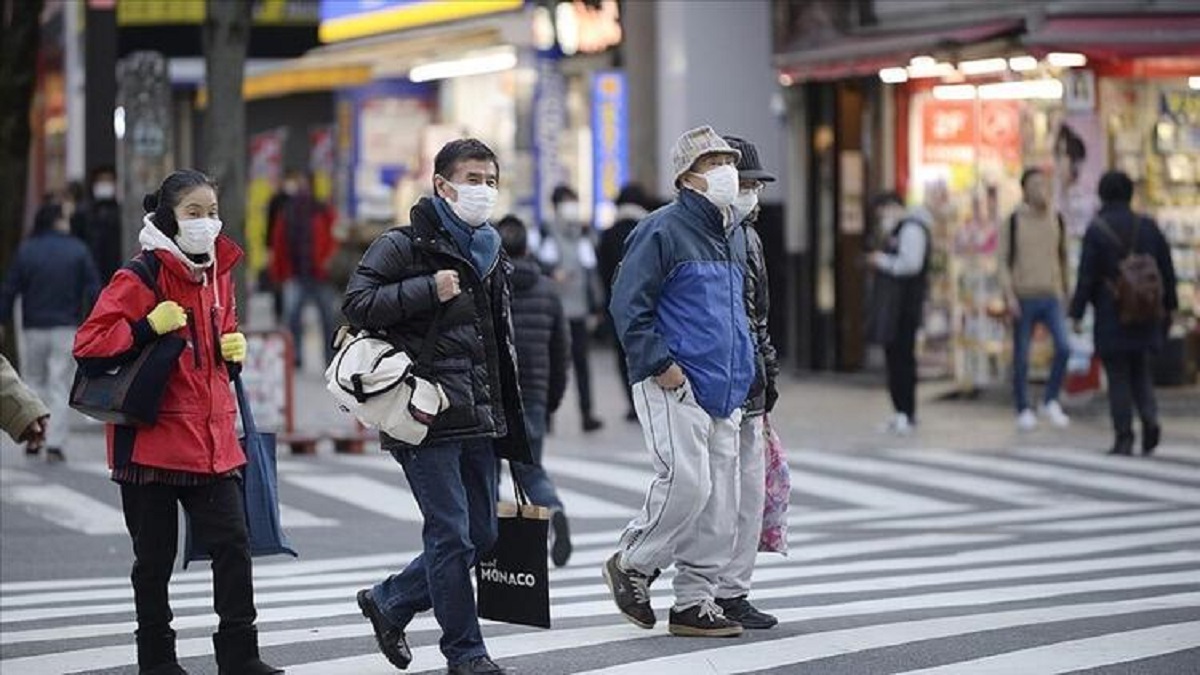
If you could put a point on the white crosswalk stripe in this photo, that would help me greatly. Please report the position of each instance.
(1054, 553)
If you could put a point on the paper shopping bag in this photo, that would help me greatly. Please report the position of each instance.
(513, 581)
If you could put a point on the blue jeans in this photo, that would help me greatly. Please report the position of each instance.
(1048, 312)
(454, 483)
(533, 477)
(299, 292)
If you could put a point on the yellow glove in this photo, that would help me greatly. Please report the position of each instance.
(233, 347)
(167, 317)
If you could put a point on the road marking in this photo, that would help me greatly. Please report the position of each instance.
(1076, 655)
(366, 493)
(1110, 523)
(1110, 465)
(581, 505)
(66, 508)
(1042, 515)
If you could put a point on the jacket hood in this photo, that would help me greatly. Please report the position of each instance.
(525, 274)
(225, 253)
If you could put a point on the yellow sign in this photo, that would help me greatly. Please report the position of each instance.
(193, 12)
(410, 14)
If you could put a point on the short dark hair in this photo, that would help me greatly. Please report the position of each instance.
(46, 216)
(513, 236)
(632, 193)
(162, 202)
(563, 193)
(888, 198)
(1116, 188)
(1030, 173)
(461, 150)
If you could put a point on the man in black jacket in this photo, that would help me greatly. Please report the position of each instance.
(632, 206)
(1125, 348)
(543, 347)
(443, 278)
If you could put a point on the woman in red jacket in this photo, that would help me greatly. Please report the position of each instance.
(191, 455)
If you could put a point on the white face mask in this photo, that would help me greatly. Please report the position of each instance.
(722, 185)
(197, 235)
(475, 203)
(744, 204)
(104, 190)
(569, 212)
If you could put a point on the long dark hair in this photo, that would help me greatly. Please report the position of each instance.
(162, 202)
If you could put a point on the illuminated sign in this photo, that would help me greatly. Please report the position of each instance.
(610, 139)
(186, 12)
(349, 19)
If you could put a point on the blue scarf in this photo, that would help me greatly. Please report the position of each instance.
(480, 245)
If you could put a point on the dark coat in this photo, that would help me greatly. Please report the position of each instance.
(610, 251)
(393, 291)
(1098, 266)
(541, 336)
(55, 276)
(758, 304)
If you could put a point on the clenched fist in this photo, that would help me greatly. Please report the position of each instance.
(672, 378)
(447, 285)
(167, 317)
(233, 347)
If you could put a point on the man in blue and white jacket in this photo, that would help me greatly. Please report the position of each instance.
(679, 309)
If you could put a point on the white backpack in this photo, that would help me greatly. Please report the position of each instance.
(376, 382)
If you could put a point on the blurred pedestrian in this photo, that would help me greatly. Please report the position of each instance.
(901, 267)
(1125, 254)
(540, 336)
(631, 209)
(99, 225)
(1033, 274)
(23, 416)
(568, 251)
(54, 276)
(301, 249)
(446, 267)
(288, 187)
(733, 583)
(191, 455)
(679, 307)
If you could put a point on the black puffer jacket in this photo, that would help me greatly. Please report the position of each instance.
(393, 291)
(541, 336)
(758, 304)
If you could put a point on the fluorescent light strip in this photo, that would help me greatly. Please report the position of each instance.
(1049, 89)
(1066, 59)
(471, 65)
(893, 75)
(954, 92)
(983, 66)
(1021, 64)
(1194, 82)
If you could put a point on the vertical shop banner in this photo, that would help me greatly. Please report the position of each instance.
(266, 165)
(549, 122)
(321, 160)
(610, 142)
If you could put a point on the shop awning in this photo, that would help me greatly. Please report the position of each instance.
(1117, 37)
(864, 55)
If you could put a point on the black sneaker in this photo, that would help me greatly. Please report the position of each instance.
(560, 550)
(1122, 446)
(591, 424)
(55, 455)
(703, 620)
(390, 639)
(740, 610)
(480, 666)
(631, 592)
(1150, 439)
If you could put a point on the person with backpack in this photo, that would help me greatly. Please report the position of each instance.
(541, 336)
(1033, 274)
(1126, 275)
(182, 284)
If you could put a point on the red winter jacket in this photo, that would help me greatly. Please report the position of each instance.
(322, 244)
(195, 428)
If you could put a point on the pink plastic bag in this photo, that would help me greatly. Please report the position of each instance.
(773, 538)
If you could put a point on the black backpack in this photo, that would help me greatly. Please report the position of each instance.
(1138, 288)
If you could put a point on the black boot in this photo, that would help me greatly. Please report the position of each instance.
(156, 654)
(1151, 434)
(1123, 445)
(237, 653)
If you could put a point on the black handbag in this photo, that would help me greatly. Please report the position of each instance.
(130, 392)
(513, 580)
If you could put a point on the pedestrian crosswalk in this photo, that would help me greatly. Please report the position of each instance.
(915, 561)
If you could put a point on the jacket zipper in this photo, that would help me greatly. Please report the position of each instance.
(212, 319)
(732, 321)
(191, 319)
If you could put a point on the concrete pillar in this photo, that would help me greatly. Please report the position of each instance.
(639, 57)
(144, 149)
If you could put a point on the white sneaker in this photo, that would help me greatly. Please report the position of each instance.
(900, 425)
(1027, 420)
(1057, 417)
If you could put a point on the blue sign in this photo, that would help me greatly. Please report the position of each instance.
(610, 141)
(338, 9)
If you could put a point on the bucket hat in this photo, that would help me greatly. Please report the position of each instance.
(693, 145)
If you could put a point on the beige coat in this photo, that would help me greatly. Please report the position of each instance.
(19, 407)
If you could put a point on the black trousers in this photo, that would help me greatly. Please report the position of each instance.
(1129, 384)
(623, 368)
(580, 341)
(901, 357)
(218, 520)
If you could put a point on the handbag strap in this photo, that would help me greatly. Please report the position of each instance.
(243, 401)
(519, 493)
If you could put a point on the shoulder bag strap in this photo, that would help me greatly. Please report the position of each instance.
(146, 266)
(1012, 240)
(243, 401)
(1112, 234)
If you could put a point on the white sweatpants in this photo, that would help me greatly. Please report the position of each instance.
(48, 368)
(734, 580)
(688, 516)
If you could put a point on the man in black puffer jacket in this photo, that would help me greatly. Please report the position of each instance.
(543, 347)
(446, 266)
